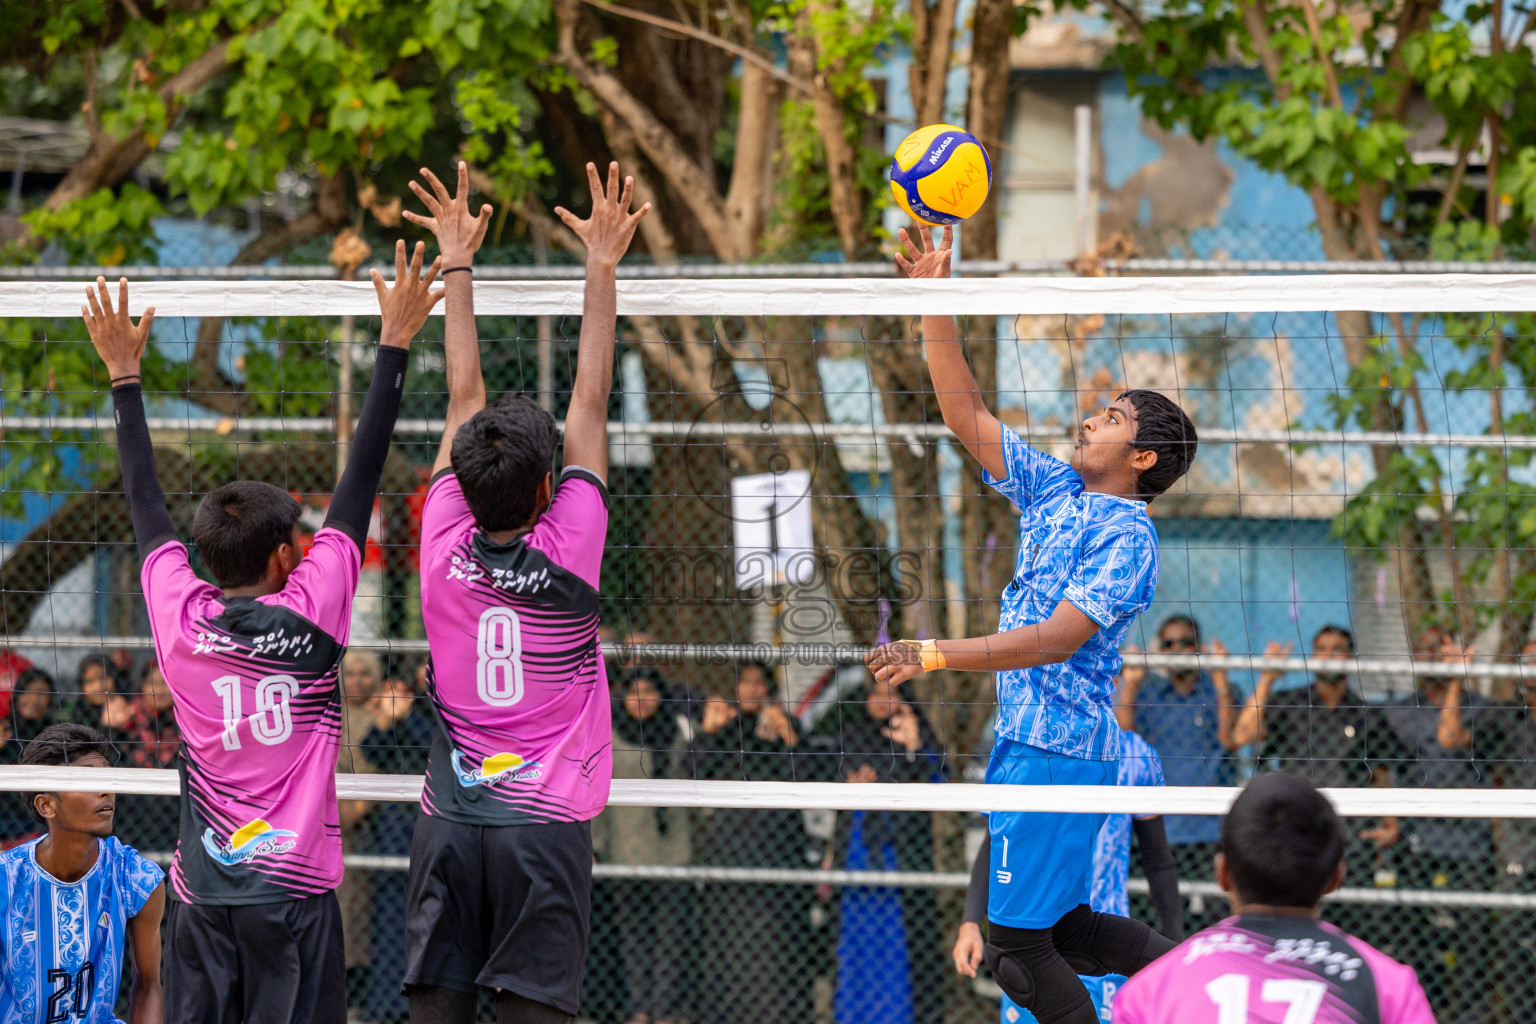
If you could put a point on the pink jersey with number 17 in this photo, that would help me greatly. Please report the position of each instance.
(524, 725)
(1258, 969)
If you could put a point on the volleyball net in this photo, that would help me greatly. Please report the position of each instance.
(784, 496)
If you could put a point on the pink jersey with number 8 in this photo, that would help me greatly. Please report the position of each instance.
(525, 734)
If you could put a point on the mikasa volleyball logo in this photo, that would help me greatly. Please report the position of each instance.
(937, 155)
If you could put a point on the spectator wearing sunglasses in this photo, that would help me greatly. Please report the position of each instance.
(1187, 716)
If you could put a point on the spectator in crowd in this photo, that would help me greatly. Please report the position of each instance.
(650, 739)
(95, 684)
(149, 738)
(1325, 733)
(361, 675)
(150, 734)
(1187, 717)
(32, 707)
(1516, 939)
(758, 967)
(397, 743)
(12, 665)
(890, 947)
(1451, 738)
(31, 712)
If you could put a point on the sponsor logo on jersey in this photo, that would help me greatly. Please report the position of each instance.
(250, 840)
(1005, 877)
(495, 768)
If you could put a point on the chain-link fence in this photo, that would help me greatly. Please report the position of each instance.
(1297, 517)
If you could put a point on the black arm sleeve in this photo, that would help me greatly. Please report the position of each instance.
(152, 524)
(352, 504)
(976, 889)
(1162, 875)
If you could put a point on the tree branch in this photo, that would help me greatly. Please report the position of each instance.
(1315, 30)
(692, 183)
(207, 384)
(110, 160)
(681, 28)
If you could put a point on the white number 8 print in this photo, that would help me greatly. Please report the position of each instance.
(1303, 998)
(499, 673)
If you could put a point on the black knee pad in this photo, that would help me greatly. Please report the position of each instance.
(1011, 974)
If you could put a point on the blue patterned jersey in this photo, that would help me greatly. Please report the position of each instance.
(1139, 766)
(1099, 552)
(62, 945)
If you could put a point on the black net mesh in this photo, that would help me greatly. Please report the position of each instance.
(1360, 472)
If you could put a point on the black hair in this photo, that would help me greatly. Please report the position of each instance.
(239, 525)
(145, 669)
(648, 674)
(61, 745)
(1338, 631)
(500, 457)
(1180, 620)
(106, 667)
(1161, 427)
(763, 667)
(27, 676)
(1282, 841)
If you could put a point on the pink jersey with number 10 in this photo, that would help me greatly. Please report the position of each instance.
(1273, 970)
(254, 680)
(524, 728)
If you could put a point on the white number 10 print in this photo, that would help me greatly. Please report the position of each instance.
(273, 721)
(1302, 998)
(499, 673)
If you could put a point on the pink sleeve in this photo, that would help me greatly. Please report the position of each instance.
(321, 589)
(1401, 997)
(169, 582)
(1127, 1005)
(444, 517)
(572, 532)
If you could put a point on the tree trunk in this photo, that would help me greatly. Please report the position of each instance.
(987, 112)
(832, 129)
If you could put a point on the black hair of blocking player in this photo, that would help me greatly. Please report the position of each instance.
(239, 525)
(501, 456)
(1164, 428)
(59, 746)
(1282, 841)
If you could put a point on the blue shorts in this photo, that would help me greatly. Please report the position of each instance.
(1101, 989)
(1042, 864)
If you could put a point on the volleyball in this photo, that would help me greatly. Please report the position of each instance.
(940, 174)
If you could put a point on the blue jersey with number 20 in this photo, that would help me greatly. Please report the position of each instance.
(61, 945)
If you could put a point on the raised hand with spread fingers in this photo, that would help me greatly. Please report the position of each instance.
(118, 340)
(606, 233)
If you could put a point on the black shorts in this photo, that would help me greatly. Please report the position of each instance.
(268, 963)
(500, 906)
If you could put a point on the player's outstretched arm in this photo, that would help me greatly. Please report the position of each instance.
(121, 343)
(606, 234)
(459, 236)
(146, 1003)
(965, 413)
(1045, 643)
(405, 308)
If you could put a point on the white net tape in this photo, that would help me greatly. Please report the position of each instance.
(1406, 293)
